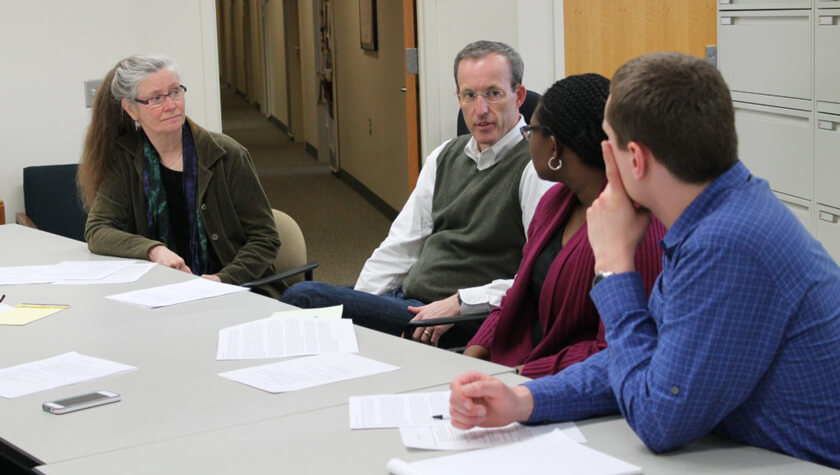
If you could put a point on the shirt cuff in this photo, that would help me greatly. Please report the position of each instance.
(545, 392)
(618, 295)
(473, 300)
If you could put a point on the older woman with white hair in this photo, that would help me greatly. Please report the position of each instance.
(160, 187)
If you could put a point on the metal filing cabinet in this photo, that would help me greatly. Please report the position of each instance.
(781, 60)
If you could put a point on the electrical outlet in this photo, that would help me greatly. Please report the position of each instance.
(90, 91)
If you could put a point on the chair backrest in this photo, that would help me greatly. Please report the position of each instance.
(292, 252)
(52, 201)
(526, 109)
(2, 212)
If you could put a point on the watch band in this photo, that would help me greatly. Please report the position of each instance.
(601, 275)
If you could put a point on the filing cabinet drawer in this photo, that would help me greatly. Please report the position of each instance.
(799, 207)
(763, 4)
(828, 230)
(776, 144)
(827, 55)
(767, 52)
(828, 3)
(827, 160)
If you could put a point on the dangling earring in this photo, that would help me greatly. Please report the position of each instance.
(559, 163)
(136, 125)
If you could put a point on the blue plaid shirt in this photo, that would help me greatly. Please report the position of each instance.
(741, 336)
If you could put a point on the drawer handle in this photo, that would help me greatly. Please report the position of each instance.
(828, 217)
(726, 20)
(826, 20)
(825, 125)
(725, 2)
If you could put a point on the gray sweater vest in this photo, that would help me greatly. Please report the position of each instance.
(477, 233)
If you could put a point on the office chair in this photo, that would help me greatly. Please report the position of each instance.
(290, 263)
(2, 212)
(51, 201)
(526, 109)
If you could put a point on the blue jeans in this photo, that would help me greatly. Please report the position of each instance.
(387, 313)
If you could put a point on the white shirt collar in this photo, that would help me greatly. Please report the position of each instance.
(491, 155)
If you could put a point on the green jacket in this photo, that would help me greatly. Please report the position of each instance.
(237, 216)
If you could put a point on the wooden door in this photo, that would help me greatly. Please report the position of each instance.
(601, 35)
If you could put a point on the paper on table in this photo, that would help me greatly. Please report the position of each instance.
(323, 312)
(277, 337)
(307, 372)
(61, 370)
(11, 275)
(129, 273)
(67, 270)
(546, 454)
(446, 437)
(23, 314)
(396, 410)
(164, 295)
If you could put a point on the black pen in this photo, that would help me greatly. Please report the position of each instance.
(2, 298)
(441, 417)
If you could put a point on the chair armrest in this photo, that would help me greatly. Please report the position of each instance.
(24, 220)
(305, 269)
(431, 322)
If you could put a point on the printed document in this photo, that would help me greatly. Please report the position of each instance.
(172, 294)
(397, 410)
(547, 454)
(67, 270)
(322, 312)
(277, 337)
(129, 273)
(307, 372)
(60, 370)
(446, 437)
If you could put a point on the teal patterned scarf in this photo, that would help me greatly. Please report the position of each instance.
(157, 212)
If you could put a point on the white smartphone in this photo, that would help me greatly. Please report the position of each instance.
(77, 403)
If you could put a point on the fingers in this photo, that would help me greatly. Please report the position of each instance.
(613, 177)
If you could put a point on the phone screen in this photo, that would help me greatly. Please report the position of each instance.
(72, 401)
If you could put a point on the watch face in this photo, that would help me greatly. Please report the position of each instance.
(601, 275)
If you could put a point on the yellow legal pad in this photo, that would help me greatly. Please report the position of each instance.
(23, 314)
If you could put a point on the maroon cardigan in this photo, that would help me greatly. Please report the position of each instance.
(571, 326)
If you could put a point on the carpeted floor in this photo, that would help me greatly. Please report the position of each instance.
(341, 229)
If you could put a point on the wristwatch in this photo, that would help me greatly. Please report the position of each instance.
(601, 275)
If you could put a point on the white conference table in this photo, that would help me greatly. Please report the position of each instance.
(321, 442)
(176, 390)
(178, 416)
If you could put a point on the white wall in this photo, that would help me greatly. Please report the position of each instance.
(276, 45)
(533, 27)
(51, 46)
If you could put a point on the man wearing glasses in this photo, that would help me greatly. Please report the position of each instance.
(464, 224)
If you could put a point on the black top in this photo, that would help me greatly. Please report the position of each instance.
(540, 270)
(179, 222)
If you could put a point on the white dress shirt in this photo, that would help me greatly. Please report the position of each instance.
(390, 262)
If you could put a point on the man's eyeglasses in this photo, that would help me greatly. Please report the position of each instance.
(527, 129)
(493, 95)
(157, 101)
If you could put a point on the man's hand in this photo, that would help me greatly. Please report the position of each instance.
(163, 256)
(478, 400)
(213, 277)
(448, 307)
(477, 351)
(614, 223)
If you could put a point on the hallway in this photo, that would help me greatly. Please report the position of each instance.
(341, 228)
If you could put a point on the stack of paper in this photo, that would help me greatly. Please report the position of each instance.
(547, 454)
(27, 313)
(291, 333)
